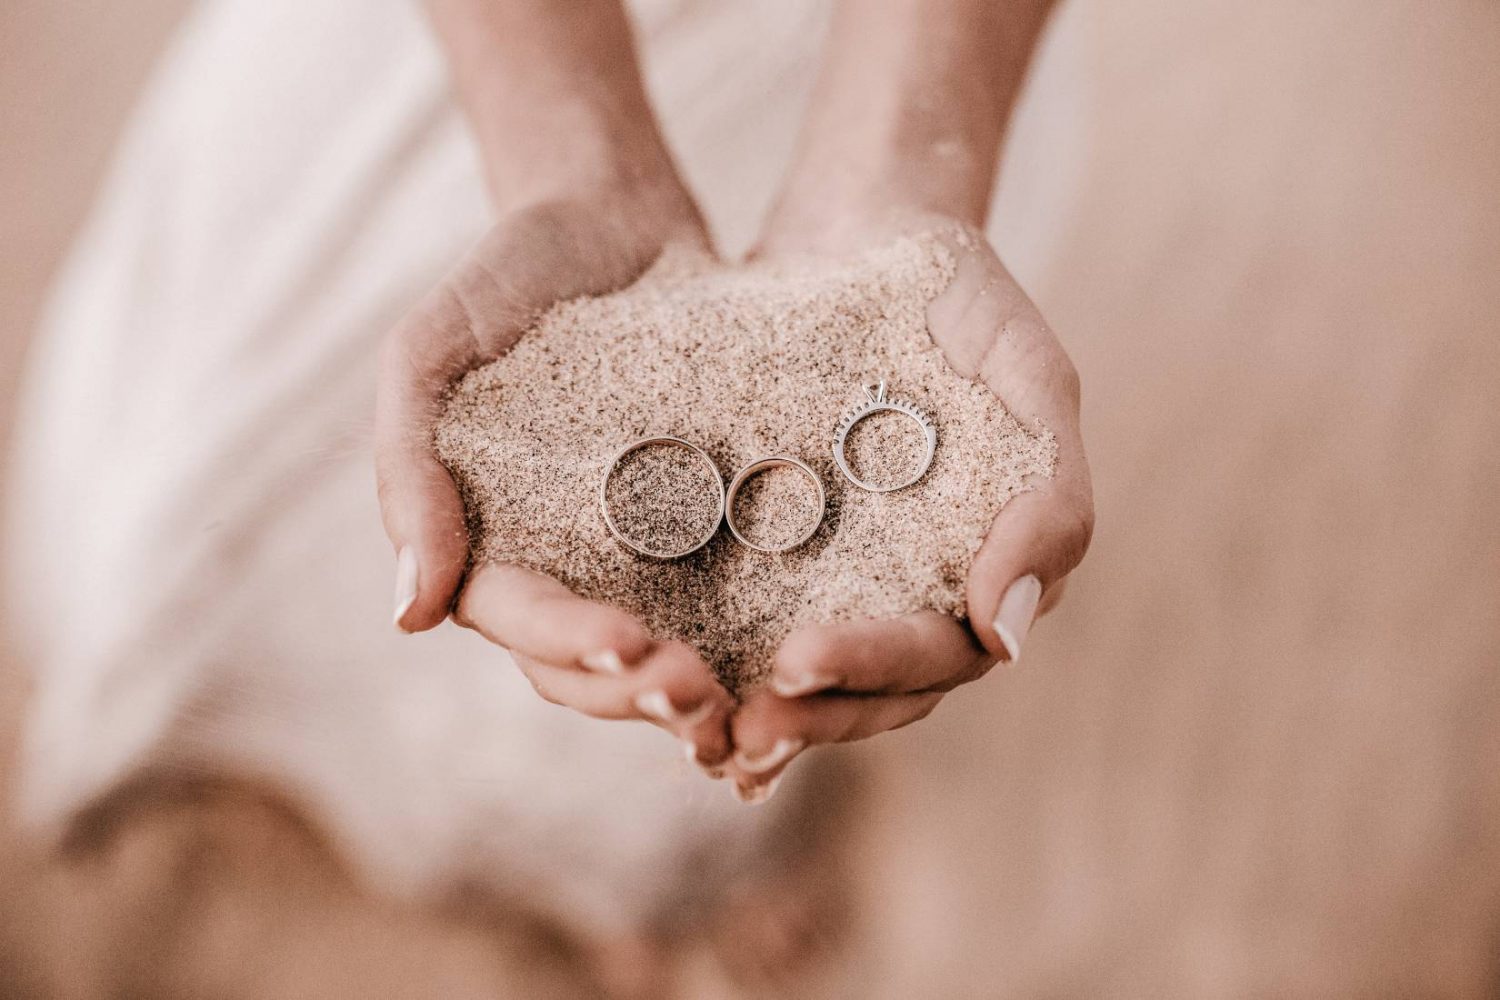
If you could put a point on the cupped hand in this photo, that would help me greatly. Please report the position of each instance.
(585, 655)
(849, 681)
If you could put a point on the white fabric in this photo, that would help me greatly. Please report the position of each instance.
(195, 543)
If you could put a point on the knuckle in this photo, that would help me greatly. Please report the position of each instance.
(1077, 536)
(544, 691)
(827, 658)
(922, 711)
(803, 651)
(973, 672)
(1066, 535)
(399, 356)
(676, 660)
(851, 726)
(440, 339)
(1069, 383)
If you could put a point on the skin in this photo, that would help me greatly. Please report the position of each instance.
(584, 204)
(902, 136)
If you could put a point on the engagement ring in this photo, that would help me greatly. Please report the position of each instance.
(875, 402)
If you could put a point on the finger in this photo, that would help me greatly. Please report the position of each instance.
(536, 259)
(1034, 542)
(918, 652)
(981, 297)
(677, 691)
(989, 328)
(533, 615)
(766, 719)
(420, 504)
(769, 732)
(672, 688)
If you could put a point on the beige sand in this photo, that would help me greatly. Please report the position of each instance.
(743, 362)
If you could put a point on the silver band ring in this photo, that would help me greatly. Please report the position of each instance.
(614, 529)
(875, 402)
(760, 465)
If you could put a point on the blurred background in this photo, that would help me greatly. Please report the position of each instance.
(1255, 753)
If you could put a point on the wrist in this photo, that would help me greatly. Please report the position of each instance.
(554, 97)
(909, 110)
(944, 176)
(850, 197)
(571, 149)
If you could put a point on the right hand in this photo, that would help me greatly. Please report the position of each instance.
(588, 656)
(832, 683)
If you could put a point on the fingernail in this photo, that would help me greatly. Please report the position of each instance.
(696, 715)
(1017, 610)
(658, 706)
(406, 583)
(783, 751)
(605, 661)
(754, 795)
(690, 751)
(797, 686)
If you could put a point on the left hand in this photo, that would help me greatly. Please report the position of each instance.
(588, 656)
(850, 681)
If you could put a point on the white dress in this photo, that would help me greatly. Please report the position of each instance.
(195, 546)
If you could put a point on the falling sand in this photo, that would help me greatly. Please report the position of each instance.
(744, 362)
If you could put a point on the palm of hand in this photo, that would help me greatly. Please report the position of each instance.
(829, 683)
(835, 683)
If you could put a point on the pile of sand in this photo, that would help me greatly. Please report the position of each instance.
(744, 362)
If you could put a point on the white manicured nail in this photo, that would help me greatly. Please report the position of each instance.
(1017, 610)
(783, 751)
(796, 687)
(658, 706)
(406, 582)
(690, 751)
(605, 661)
(754, 795)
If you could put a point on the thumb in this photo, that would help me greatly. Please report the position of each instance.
(476, 314)
(1041, 535)
(543, 255)
(1019, 571)
(989, 328)
(419, 501)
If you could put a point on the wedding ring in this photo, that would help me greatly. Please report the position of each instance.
(876, 401)
(614, 527)
(761, 465)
